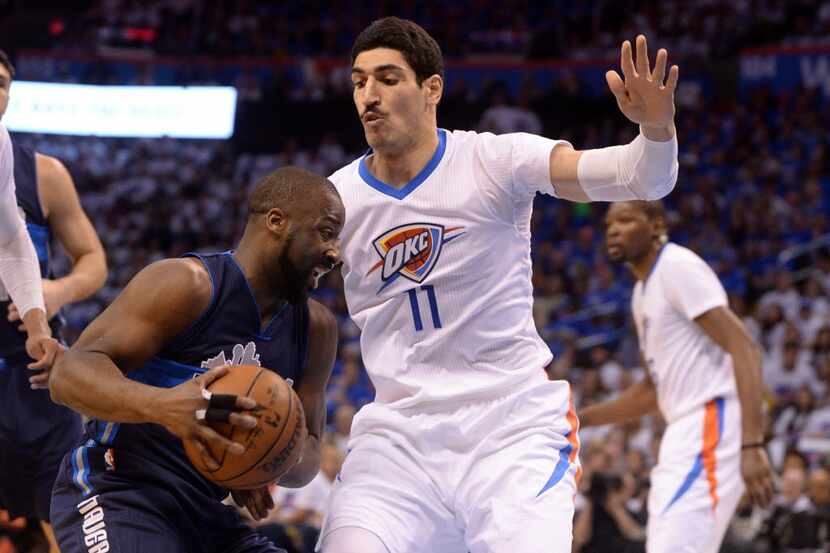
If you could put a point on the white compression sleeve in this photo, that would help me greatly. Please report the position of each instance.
(643, 169)
(19, 267)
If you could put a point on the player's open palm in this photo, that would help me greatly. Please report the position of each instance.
(185, 410)
(757, 475)
(646, 97)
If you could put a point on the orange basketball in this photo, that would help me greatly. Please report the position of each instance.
(272, 447)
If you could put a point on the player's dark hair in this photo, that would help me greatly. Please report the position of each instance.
(6, 62)
(284, 187)
(419, 49)
(653, 210)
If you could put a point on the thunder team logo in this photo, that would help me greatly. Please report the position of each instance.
(411, 251)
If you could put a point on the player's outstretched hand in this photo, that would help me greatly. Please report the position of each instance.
(182, 410)
(258, 501)
(641, 93)
(757, 475)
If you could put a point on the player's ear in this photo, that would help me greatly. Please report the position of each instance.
(434, 89)
(276, 221)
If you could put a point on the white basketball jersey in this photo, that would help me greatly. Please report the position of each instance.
(437, 273)
(687, 367)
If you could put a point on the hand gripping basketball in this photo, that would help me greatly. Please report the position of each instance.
(219, 409)
(186, 409)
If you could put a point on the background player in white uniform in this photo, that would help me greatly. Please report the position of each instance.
(704, 375)
(468, 446)
(19, 268)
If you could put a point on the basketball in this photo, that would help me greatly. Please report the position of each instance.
(272, 447)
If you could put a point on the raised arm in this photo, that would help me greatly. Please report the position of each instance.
(159, 303)
(644, 169)
(726, 330)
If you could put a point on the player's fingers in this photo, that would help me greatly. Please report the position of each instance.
(219, 442)
(40, 364)
(39, 381)
(642, 62)
(213, 374)
(207, 458)
(245, 402)
(626, 61)
(769, 491)
(242, 421)
(660, 66)
(13, 314)
(269, 499)
(616, 84)
(674, 74)
(259, 501)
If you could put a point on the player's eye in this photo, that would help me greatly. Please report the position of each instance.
(358, 84)
(326, 234)
(390, 82)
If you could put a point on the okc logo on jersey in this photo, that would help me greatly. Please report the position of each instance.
(411, 251)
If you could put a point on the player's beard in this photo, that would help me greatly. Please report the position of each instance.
(295, 280)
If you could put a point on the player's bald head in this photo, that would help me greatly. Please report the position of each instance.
(290, 189)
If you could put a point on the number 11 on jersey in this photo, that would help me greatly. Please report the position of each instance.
(416, 308)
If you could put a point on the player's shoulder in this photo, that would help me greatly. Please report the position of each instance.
(346, 174)
(188, 275)
(679, 263)
(675, 254)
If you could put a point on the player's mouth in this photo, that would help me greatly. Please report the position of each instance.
(614, 250)
(372, 119)
(315, 276)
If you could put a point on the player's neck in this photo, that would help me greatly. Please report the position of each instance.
(398, 167)
(266, 299)
(641, 268)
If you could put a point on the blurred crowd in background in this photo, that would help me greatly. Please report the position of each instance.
(753, 199)
(552, 29)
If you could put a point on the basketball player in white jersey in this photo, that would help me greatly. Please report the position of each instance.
(467, 446)
(19, 267)
(704, 375)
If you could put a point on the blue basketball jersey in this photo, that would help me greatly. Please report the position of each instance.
(228, 332)
(12, 341)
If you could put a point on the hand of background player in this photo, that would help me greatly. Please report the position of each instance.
(45, 351)
(757, 475)
(176, 410)
(258, 501)
(642, 96)
(53, 296)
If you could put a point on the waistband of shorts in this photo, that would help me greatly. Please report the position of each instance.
(503, 391)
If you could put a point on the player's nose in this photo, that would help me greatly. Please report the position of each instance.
(332, 255)
(370, 93)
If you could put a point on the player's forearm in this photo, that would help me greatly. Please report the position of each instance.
(88, 274)
(91, 384)
(637, 400)
(746, 360)
(304, 472)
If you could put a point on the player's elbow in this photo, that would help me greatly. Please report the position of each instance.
(657, 186)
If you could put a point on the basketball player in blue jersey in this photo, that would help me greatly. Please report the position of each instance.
(140, 368)
(36, 433)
